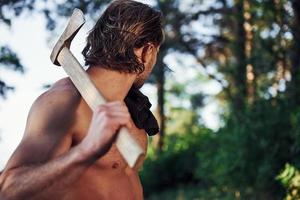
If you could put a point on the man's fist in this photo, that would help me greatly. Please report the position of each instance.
(106, 121)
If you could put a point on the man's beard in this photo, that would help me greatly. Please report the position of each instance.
(138, 83)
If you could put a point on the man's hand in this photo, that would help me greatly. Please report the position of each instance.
(106, 121)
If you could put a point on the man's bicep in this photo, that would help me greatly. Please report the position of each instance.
(46, 135)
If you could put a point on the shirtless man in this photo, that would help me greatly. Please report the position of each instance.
(68, 151)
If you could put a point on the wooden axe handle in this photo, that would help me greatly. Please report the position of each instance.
(126, 144)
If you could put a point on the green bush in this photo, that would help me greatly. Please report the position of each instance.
(290, 179)
(239, 161)
(176, 164)
(252, 150)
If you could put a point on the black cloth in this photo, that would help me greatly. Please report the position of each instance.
(139, 107)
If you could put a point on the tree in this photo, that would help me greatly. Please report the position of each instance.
(8, 58)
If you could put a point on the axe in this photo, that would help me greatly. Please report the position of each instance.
(62, 56)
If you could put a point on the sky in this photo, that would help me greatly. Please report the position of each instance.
(29, 39)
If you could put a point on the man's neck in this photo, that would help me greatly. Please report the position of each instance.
(113, 85)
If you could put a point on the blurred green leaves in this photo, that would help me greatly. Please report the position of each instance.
(9, 60)
(290, 179)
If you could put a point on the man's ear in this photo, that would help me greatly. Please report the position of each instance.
(147, 51)
(144, 52)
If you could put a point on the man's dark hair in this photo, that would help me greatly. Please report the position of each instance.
(124, 26)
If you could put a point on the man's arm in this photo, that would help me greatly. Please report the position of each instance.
(43, 165)
(43, 181)
(46, 135)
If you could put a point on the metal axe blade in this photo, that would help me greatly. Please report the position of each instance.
(75, 23)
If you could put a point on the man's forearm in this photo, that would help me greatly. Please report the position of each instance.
(43, 181)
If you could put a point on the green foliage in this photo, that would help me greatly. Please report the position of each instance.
(176, 164)
(11, 61)
(195, 192)
(8, 58)
(240, 161)
(253, 149)
(290, 179)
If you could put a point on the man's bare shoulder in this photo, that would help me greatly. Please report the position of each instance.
(48, 131)
(57, 106)
(61, 94)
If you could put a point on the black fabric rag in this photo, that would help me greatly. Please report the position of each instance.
(139, 107)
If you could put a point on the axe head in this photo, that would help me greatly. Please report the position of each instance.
(75, 23)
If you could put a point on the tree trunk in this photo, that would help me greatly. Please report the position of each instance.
(239, 75)
(295, 56)
(160, 103)
(250, 74)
